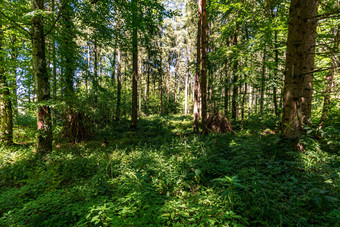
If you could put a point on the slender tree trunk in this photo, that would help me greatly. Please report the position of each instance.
(6, 133)
(134, 69)
(204, 67)
(198, 67)
(298, 88)
(235, 80)
(256, 98)
(167, 84)
(15, 94)
(276, 71)
(175, 93)
(161, 86)
(88, 68)
(14, 56)
(186, 94)
(250, 100)
(147, 93)
(244, 99)
(44, 137)
(54, 62)
(330, 81)
(113, 65)
(119, 84)
(226, 89)
(54, 74)
(140, 89)
(95, 70)
(186, 82)
(263, 78)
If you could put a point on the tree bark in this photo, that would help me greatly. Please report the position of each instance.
(44, 137)
(276, 71)
(147, 93)
(95, 70)
(134, 68)
(160, 71)
(6, 133)
(198, 66)
(204, 67)
(298, 88)
(244, 99)
(263, 78)
(113, 68)
(140, 89)
(235, 79)
(119, 84)
(54, 74)
(186, 82)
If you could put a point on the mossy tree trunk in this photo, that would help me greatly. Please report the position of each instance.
(44, 124)
(6, 133)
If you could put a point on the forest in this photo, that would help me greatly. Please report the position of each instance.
(169, 113)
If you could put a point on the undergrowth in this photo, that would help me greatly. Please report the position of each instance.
(163, 174)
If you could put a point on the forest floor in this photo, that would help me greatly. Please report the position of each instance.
(163, 174)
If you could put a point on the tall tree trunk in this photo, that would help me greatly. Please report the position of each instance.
(298, 88)
(54, 62)
(134, 68)
(186, 82)
(276, 71)
(54, 74)
(175, 90)
(119, 84)
(95, 70)
(167, 84)
(44, 137)
(235, 80)
(263, 78)
(204, 67)
(113, 66)
(262, 88)
(330, 80)
(198, 67)
(244, 99)
(226, 89)
(14, 55)
(88, 67)
(140, 89)
(250, 100)
(6, 133)
(147, 93)
(161, 86)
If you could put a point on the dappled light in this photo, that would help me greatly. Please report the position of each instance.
(169, 113)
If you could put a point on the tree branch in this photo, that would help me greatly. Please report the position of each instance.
(57, 18)
(319, 70)
(16, 24)
(326, 15)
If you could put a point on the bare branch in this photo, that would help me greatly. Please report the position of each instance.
(320, 70)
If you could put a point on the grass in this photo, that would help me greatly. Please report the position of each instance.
(163, 174)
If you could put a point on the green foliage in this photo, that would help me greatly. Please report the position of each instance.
(162, 174)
